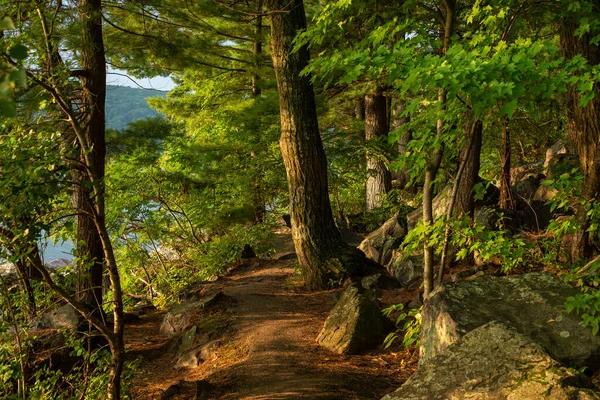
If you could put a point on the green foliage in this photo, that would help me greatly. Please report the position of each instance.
(11, 78)
(588, 305)
(409, 324)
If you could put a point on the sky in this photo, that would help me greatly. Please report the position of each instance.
(119, 77)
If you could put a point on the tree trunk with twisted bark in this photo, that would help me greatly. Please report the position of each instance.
(322, 254)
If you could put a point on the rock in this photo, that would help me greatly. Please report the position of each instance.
(406, 271)
(544, 193)
(494, 361)
(180, 317)
(557, 148)
(522, 172)
(354, 324)
(534, 304)
(289, 256)
(247, 252)
(380, 244)
(287, 220)
(440, 203)
(64, 317)
(143, 307)
(533, 215)
(59, 263)
(378, 281)
(194, 348)
(7, 269)
(526, 188)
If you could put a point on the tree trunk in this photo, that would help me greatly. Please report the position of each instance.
(506, 200)
(92, 227)
(321, 252)
(583, 129)
(89, 245)
(379, 179)
(434, 162)
(402, 176)
(359, 109)
(465, 199)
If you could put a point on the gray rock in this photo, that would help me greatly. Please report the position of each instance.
(143, 307)
(406, 270)
(557, 148)
(379, 281)
(194, 348)
(64, 317)
(8, 269)
(494, 361)
(354, 324)
(59, 263)
(381, 243)
(440, 204)
(526, 188)
(534, 304)
(522, 172)
(181, 317)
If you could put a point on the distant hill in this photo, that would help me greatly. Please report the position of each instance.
(127, 104)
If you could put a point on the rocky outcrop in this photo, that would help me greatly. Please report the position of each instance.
(440, 203)
(64, 317)
(406, 270)
(180, 317)
(532, 303)
(380, 244)
(494, 361)
(354, 324)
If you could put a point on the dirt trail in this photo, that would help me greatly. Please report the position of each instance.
(271, 352)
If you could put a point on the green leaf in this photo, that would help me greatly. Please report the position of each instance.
(6, 23)
(8, 108)
(18, 52)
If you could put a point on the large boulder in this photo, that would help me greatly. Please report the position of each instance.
(406, 270)
(534, 304)
(181, 317)
(494, 361)
(380, 244)
(440, 204)
(64, 317)
(354, 324)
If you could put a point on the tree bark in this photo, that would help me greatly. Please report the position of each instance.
(434, 162)
(322, 254)
(506, 200)
(89, 245)
(583, 129)
(402, 176)
(465, 199)
(379, 179)
(92, 225)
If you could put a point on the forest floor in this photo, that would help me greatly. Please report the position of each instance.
(268, 348)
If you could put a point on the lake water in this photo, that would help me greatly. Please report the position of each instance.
(58, 250)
